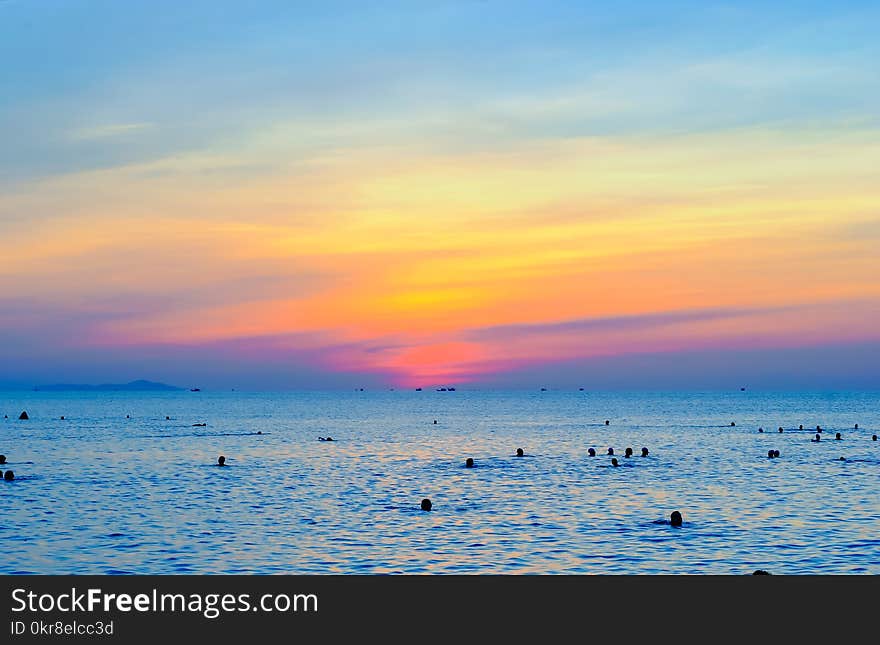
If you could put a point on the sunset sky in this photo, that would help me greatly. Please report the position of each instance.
(400, 194)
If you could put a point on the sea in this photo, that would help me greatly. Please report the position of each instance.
(128, 482)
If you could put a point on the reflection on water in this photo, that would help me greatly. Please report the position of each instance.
(99, 493)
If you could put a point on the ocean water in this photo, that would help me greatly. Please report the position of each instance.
(98, 493)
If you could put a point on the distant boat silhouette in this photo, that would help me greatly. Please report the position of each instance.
(418, 389)
(452, 389)
(543, 389)
(194, 389)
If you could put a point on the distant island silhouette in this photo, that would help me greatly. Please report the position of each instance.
(134, 386)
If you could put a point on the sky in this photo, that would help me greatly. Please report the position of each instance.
(276, 195)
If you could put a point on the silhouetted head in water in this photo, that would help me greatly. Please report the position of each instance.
(469, 463)
(2, 459)
(62, 417)
(128, 416)
(259, 432)
(770, 454)
(873, 437)
(221, 460)
(9, 475)
(761, 572)
(818, 428)
(856, 427)
(614, 461)
(329, 439)
(675, 518)
(591, 452)
(167, 418)
(611, 451)
(801, 427)
(837, 436)
(760, 429)
(842, 459)
(519, 452)
(628, 452)
(780, 428)
(818, 437)
(644, 452)
(435, 421)
(607, 422)
(426, 504)
(776, 454)
(732, 423)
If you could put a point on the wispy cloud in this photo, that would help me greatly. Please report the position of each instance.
(502, 333)
(109, 131)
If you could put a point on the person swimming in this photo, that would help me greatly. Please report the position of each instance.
(760, 429)
(62, 417)
(607, 422)
(732, 423)
(221, 460)
(628, 452)
(675, 518)
(519, 452)
(873, 437)
(8, 476)
(469, 463)
(435, 421)
(2, 459)
(818, 437)
(167, 418)
(801, 427)
(644, 452)
(770, 454)
(426, 504)
(856, 427)
(776, 454)
(614, 462)
(611, 451)
(780, 428)
(325, 438)
(591, 452)
(837, 436)
(818, 428)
